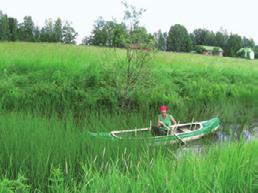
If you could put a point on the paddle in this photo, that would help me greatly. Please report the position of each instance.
(183, 142)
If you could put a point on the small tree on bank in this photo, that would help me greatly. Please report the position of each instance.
(139, 48)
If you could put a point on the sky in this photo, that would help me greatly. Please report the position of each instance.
(236, 16)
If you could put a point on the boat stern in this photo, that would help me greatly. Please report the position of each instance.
(212, 124)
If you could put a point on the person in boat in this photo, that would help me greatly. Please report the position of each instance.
(165, 121)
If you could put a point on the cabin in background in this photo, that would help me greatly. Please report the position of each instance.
(209, 50)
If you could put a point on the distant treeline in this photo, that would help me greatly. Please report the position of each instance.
(114, 34)
(178, 39)
(52, 31)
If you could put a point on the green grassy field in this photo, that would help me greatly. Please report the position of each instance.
(52, 94)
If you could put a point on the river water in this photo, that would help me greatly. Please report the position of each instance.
(225, 134)
(235, 132)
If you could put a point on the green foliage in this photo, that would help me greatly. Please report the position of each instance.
(248, 43)
(99, 36)
(46, 33)
(121, 35)
(256, 51)
(108, 33)
(57, 31)
(221, 39)
(139, 36)
(199, 49)
(178, 39)
(4, 27)
(118, 36)
(11, 30)
(139, 49)
(14, 186)
(234, 43)
(68, 34)
(26, 29)
(160, 40)
(215, 51)
(204, 37)
(241, 53)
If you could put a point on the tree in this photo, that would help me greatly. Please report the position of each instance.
(199, 49)
(211, 39)
(36, 34)
(248, 43)
(13, 29)
(193, 39)
(215, 51)
(132, 16)
(204, 37)
(109, 29)
(99, 35)
(139, 45)
(115, 34)
(234, 43)
(140, 36)
(179, 39)
(221, 39)
(86, 40)
(46, 33)
(69, 34)
(160, 40)
(57, 31)
(256, 51)
(26, 29)
(108, 33)
(4, 28)
(200, 36)
(119, 36)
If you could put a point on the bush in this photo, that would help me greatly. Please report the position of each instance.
(199, 49)
(256, 52)
(215, 51)
(241, 53)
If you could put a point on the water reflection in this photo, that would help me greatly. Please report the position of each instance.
(236, 132)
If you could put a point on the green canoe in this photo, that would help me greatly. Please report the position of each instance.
(185, 132)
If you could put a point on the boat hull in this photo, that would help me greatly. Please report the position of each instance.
(204, 128)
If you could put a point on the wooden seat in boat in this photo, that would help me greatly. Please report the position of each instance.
(185, 130)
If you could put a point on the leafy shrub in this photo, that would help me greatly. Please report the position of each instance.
(199, 49)
(14, 186)
(216, 51)
(256, 52)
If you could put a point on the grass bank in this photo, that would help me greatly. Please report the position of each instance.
(55, 78)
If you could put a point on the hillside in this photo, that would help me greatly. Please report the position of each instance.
(52, 78)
